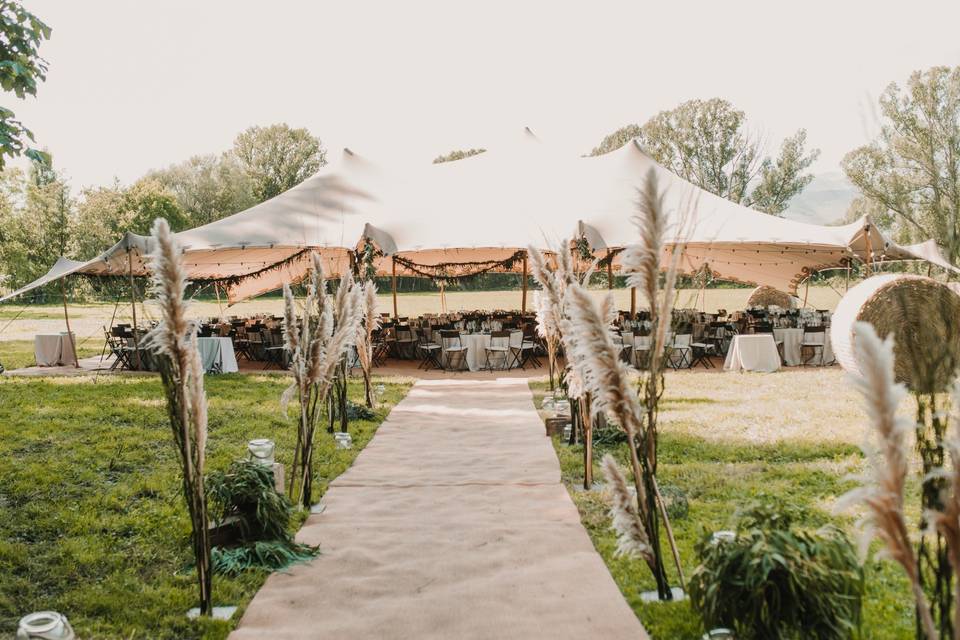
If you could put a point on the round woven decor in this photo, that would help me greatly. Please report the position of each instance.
(922, 314)
(764, 296)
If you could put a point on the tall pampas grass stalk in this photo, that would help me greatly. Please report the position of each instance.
(174, 341)
(631, 532)
(554, 325)
(317, 341)
(881, 487)
(608, 380)
(371, 322)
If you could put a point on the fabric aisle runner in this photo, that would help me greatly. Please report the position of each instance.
(452, 523)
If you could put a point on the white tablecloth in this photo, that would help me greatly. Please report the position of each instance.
(54, 349)
(793, 338)
(217, 355)
(753, 353)
(477, 343)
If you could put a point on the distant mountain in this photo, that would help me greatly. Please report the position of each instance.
(824, 201)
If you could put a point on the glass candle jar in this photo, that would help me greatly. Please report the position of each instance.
(261, 450)
(44, 625)
(343, 440)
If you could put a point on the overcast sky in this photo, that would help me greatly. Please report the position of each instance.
(139, 85)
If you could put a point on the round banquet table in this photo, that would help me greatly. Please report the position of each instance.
(217, 355)
(477, 343)
(54, 349)
(757, 352)
(793, 338)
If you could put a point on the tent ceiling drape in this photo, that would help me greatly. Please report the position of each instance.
(484, 209)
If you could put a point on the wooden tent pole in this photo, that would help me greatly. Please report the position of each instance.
(523, 286)
(216, 289)
(633, 302)
(66, 318)
(869, 250)
(609, 270)
(393, 266)
(133, 306)
(806, 292)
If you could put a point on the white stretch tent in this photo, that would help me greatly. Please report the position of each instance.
(483, 211)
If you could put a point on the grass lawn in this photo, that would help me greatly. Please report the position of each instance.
(729, 439)
(92, 518)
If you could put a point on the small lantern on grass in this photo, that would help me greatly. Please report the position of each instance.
(343, 440)
(262, 450)
(44, 625)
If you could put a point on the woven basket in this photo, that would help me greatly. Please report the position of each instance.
(922, 314)
(764, 296)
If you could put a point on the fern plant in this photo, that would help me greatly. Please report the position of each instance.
(775, 580)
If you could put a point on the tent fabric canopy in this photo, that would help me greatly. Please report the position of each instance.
(484, 209)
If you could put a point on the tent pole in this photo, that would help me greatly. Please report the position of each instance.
(216, 289)
(846, 280)
(869, 251)
(66, 318)
(609, 270)
(523, 285)
(393, 266)
(443, 298)
(633, 302)
(133, 306)
(806, 292)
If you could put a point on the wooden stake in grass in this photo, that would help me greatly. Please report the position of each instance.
(174, 341)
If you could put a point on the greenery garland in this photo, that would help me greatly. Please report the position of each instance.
(229, 281)
(583, 249)
(459, 271)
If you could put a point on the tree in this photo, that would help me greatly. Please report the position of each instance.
(278, 157)
(144, 202)
(707, 142)
(37, 215)
(457, 154)
(208, 187)
(912, 168)
(21, 69)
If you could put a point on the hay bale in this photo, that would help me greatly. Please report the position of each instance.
(764, 296)
(922, 314)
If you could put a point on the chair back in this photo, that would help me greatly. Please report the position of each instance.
(450, 339)
(500, 339)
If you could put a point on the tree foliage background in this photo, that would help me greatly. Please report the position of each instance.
(41, 217)
(909, 176)
(708, 143)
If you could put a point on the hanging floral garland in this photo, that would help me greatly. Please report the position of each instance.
(583, 249)
(459, 271)
(364, 259)
(229, 281)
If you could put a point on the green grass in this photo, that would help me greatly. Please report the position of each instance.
(721, 474)
(16, 354)
(92, 518)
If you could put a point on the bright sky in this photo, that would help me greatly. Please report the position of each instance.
(139, 85)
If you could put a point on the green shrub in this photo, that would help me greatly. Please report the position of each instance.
(776, 580)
